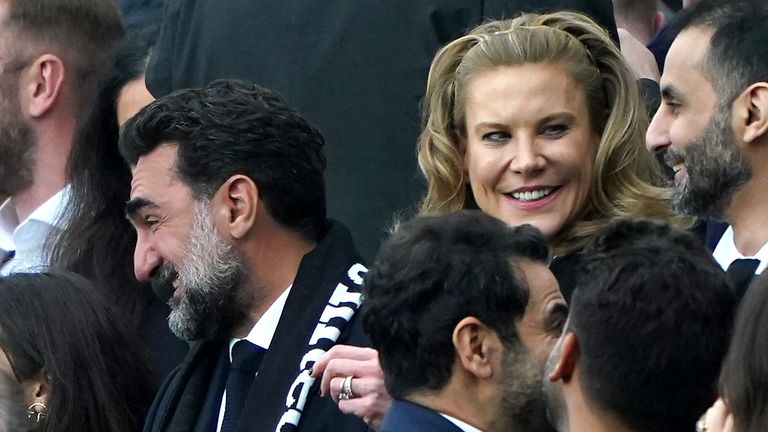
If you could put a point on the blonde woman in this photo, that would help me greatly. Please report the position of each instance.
(536, 120)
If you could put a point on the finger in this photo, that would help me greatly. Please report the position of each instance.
(346, 352)
(334, 388)
(369, 408)
(341, 368)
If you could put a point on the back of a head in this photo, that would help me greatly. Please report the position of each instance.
(97, 376)
(430, 274)
(12, 412)
(81, 32)
(744, 379)
(652, 313)
(233, 127)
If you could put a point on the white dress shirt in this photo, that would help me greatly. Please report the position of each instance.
(460, 424)
(26, 239)
(260, 335)
(725, 252)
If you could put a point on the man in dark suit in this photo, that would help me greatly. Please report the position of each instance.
(644, 342)
(356, 69)
(463, 312)
(228, 202)
(713, 127)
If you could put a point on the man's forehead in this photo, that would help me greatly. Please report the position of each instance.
(155, 169)
(688, 50)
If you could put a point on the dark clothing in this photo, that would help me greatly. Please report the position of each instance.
(356, 69)
(165, 350)
(320, 311)
(409, 417)
(565, 268)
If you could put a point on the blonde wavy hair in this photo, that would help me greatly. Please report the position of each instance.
(626, 180)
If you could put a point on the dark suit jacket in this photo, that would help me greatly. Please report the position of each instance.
(356, 69)
(319, 312)
(409, 417)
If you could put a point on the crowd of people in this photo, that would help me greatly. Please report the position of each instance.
(584, 255)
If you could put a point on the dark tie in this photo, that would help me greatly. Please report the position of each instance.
(246, 358)
(741, 272)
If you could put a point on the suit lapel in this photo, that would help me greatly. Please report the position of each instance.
(188, 392)
(282, 379)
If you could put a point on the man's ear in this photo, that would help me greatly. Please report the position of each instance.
(566, 364)
(477, 347)
(42, 84)
(235, 205)
(754, 106)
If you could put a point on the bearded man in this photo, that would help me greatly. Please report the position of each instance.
(713, 127)
(52, 60)
(228, 202)
(463, 312)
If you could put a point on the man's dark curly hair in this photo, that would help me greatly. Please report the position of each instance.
(433, 272)
(232, 127)
(653, 314)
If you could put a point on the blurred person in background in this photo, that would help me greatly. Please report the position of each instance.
(54, 56)
(79, 367)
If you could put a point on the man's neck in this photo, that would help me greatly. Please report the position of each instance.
(747, 214)
(272, 264)
(583, 417)
(49, 172)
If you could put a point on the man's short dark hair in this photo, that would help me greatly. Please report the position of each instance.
(232, 127)
(433, 272)
(738, 52)
(81, 32)
(653, 313)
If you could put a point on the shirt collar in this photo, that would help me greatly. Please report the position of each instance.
(47, 213)
(725, 253)
(460, 424)
(262, 332)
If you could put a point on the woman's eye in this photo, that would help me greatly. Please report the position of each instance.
(556, 130)
(496, 137)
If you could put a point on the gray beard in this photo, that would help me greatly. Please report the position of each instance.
(210, 276)
(716, 170)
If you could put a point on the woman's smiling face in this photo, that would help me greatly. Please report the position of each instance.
(529, 145)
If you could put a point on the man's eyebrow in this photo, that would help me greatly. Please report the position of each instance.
(668, 91)
(133, 206)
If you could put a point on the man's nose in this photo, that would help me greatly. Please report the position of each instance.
(145, 259)
(657, 136)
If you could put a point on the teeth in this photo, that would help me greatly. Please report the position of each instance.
(532, 195)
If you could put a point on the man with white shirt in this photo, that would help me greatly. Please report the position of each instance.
(51, 62)
(463, 312)
(713, 127)
(228, 202)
